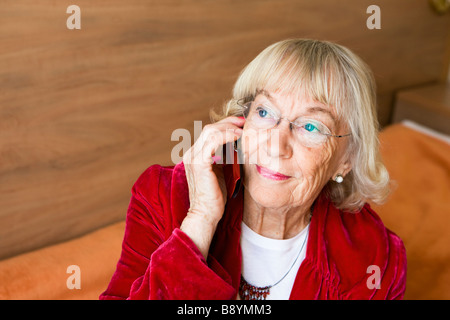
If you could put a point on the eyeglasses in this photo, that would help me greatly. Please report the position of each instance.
(309, 132)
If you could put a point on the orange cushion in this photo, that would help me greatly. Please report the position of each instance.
(419, 208)
(42, 274)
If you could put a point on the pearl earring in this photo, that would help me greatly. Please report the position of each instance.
(339, 178)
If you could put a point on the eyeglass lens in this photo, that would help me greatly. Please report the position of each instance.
(308, 132)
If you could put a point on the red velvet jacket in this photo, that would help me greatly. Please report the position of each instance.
(159, 261)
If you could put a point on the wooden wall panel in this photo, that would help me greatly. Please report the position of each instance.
(84, 112)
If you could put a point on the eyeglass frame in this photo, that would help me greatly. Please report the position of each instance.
(243, 105)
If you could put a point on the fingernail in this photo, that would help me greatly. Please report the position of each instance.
(216, 158)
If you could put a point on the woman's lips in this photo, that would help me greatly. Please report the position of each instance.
(269, 174)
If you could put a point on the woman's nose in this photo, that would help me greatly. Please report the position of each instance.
(280, 139)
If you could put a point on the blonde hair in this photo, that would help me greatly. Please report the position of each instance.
(335, 76)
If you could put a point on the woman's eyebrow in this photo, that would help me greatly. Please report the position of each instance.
(267, 95)
(314, 109)
(311, 109)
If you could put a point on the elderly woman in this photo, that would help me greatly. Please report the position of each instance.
(287, 216)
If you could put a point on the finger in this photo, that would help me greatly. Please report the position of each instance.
(237, 121)
(217, 140)
(229, 124)
(212, 139)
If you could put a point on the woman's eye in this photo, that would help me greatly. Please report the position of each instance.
(311, 127)
(263, 112)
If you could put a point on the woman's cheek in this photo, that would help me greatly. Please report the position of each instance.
(315, 170)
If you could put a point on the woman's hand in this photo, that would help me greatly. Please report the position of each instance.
(207, 189)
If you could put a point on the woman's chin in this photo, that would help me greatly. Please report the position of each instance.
(268, 196)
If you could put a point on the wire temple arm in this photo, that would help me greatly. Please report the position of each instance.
(341, 136)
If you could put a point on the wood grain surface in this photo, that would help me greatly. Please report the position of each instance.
(84, 112)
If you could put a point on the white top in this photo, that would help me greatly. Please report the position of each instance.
(265, 261)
